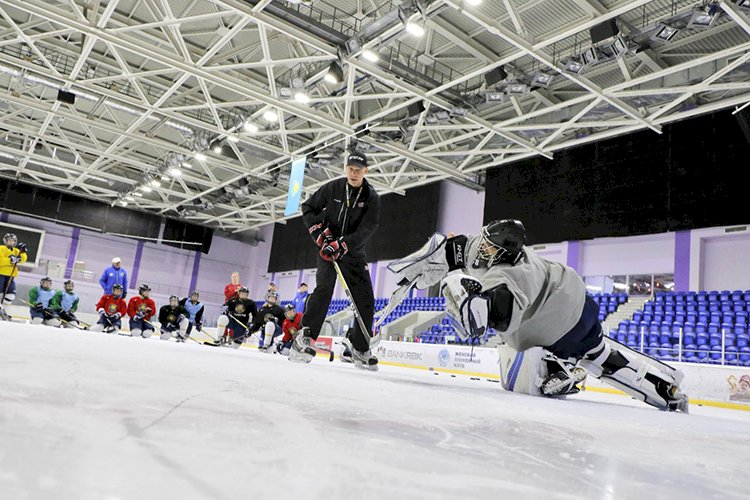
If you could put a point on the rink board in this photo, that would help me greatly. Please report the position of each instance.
(725, 386)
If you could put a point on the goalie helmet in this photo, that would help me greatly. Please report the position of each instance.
(502, 242)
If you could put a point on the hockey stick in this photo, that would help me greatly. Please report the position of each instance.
(7, 287)
(217, 343)
(348, 292)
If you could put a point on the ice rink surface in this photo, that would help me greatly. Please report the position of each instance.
(91, 416)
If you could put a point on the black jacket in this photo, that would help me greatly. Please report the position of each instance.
(266, 312)
(170, 315)
(356, 223)
(243, 310)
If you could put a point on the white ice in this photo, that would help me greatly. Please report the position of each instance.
(92, 416)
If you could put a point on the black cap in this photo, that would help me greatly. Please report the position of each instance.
(303, 284)
(357, 159)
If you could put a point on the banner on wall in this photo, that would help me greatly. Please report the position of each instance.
(296, 179)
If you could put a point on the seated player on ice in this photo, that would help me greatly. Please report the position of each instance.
(39, 304)
(65, 304)
(195, 312)
(268, 322)
(141, 308)
(111, 308)
(235, 317)
(292, 324)
(492, 280)
(173, 320)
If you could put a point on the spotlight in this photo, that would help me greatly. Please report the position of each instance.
(233, 138)
(155, 183)
(140, 195)
(573, 65)
(175, 172)
(250, 127)
(200, 157)
(541, 79)
(494, 97)
(165, 178)
(473, 3)
(146, 189)
(334, 74)
(664, 33)
(124, 203)
(516, 88)
(589, 56)
(271, 116)
(301, 97)
(285, 92)
(370, 55)
(187, 165)
(129, 198)
(704, 17)
(217, 150)
(619, 47)
(415, 28)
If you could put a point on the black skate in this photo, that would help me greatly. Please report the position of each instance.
(4, 316)
(362, 360)
(302, 350)
(563, 383)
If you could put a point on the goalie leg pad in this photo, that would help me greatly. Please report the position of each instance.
(638, 375)
(522, 372)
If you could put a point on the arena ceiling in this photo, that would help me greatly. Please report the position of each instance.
(196, 108)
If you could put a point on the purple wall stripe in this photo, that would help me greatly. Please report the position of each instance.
(373, 273)
(136, 265)
(682, 261)
(299, 278)
(574, 254)
(72, 252)
(3, 216)
(196, 268)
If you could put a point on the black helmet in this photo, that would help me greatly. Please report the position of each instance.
(195, 292)
(8, 237)
(46, 278)
(144, 288)
(502, 241)
(68, 283)
(243, 289)
(116, 286)
(289, 307)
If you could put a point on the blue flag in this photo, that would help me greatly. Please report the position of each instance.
(296, 178)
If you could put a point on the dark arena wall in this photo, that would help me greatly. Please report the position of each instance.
(690, 176)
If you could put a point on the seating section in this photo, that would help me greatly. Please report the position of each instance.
(608, 302)
(702, 327)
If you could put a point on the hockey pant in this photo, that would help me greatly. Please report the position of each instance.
(238, 332)
(139, 328)
(168, 329)
(357, 276)
(107, 324)
(269, 332)
(47, 317)
(69, 319)
(11, 294)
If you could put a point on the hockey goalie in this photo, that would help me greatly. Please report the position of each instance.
(549, 326)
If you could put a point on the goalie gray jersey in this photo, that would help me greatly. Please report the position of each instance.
(549, 296)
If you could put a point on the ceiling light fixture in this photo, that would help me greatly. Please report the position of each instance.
(334, 74)
(200, 157)
(370, 55)
(301, 97)
(175, 172)
(250, 127)
(271, 116)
